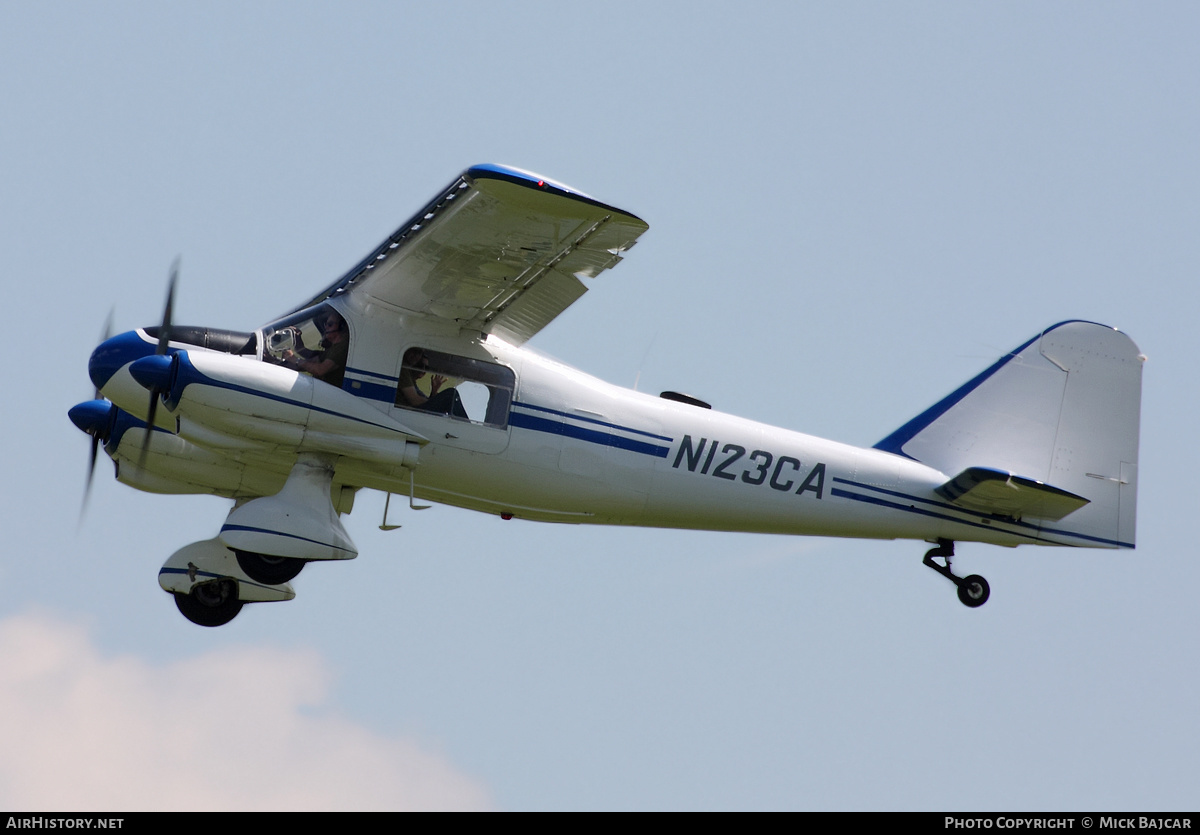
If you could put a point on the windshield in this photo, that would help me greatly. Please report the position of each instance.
(314, 341)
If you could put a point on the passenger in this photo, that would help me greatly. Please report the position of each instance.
(412, 369)
(329, 363)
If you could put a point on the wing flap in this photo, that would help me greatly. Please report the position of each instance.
(985, 490)
(528, 312)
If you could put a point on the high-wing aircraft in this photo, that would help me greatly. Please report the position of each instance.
(407, 375)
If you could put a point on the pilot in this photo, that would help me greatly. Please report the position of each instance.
(412, 369)
(328, 364)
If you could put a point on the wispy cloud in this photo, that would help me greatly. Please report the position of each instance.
(243, 729)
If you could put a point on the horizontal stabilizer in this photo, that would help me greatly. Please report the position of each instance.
(995, 491)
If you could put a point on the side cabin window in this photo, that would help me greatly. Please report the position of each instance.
(459, 387)
(315, 341)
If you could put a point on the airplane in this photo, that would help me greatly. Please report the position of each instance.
(408, 375)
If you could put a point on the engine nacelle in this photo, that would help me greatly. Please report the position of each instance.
(243, 398)
(168, 463)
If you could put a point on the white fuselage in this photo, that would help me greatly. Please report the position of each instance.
(574, 449)
(581, 450)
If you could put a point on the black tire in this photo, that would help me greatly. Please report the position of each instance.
(974, 591)
(269, 570)
(210, 604)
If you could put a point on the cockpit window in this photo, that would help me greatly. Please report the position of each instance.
(315, 341)
(459, 387)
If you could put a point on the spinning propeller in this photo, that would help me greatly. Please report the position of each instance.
(95, 418)
(164, 337)
(98, 417)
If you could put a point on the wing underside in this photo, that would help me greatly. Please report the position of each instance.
(500, 251)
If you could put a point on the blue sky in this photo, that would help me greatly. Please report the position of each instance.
(853, 208)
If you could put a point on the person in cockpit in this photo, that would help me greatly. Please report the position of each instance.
(413, 369)
(329, 363)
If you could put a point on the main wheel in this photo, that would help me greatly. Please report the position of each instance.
(974, 591)
(270, 570)
(210, 604)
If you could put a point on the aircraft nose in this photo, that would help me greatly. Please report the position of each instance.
(113, 354)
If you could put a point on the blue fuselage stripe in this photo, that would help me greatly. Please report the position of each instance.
(365, 373)
(371, 391)
(1035, 530)
(592, 420)
(594, 436)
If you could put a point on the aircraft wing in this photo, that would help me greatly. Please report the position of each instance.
(500, 250)
(994, 491)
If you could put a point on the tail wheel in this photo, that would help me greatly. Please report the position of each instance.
(973, 591)
(210, 604)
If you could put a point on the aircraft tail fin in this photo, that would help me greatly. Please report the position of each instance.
(1059, 416)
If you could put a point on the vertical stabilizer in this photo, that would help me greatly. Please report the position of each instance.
(1062, 409)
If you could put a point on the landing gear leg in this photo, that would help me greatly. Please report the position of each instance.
(973, 590)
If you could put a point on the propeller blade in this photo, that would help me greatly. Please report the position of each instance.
(164, 337)
(105, 336)
(91, 476)
(149, 428)
(96, 418)
(164, 333)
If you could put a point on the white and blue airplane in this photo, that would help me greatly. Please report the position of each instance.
(407, 375)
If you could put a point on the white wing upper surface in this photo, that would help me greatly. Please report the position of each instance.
(500, 251)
